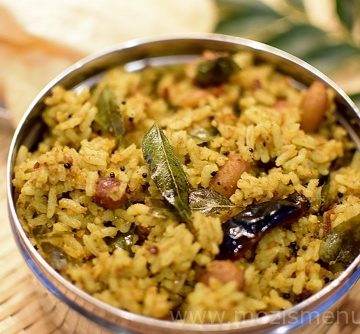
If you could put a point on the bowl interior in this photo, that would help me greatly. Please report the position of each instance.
(136, 55)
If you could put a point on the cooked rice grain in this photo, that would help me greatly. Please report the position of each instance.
(256, 114)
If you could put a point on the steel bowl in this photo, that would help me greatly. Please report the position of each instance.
(76, 311)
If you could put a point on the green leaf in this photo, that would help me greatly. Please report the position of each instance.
(54, 255)
(356, 98)
(108, 115)
(209, 201)
(299, 39)
(40, 231)
(123, 240)
(326, 199)
(342, 244)
(346, 10)
(245, 17)
(166, 170)
(329, 57)
(214, 72)
(202, 135)
(227, 8)
(298, 4)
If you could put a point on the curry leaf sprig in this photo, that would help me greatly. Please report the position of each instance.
(167, 172)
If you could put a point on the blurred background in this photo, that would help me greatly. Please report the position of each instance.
(39, 39)
(325, 33)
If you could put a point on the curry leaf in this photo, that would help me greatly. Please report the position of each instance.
(166, 170)
(56, 257)
(342, 244)
(208, 201)
(356, 98)
(326, 198)
(245, 18)
(327, 58)
(346, 11)
(203, 135)
(299, 39)
(123, 240)
(108, 115)
(214, 72)
(298, 4)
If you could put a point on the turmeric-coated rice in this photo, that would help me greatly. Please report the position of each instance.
(129, 192)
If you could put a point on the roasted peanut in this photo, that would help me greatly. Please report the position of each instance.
(225, 180)
(224, 271)
(313, 106)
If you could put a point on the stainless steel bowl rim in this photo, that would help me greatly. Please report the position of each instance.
(23, 239)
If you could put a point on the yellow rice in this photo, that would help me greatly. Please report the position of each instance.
(166, 284)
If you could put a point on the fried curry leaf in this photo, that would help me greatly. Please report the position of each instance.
(108, 115)
(342, 244)
(40, 230)
(326, 199)
(166, 170)
(124, 240)
(203, 135)
(54, 255)
(208, 201)
(215, 72)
